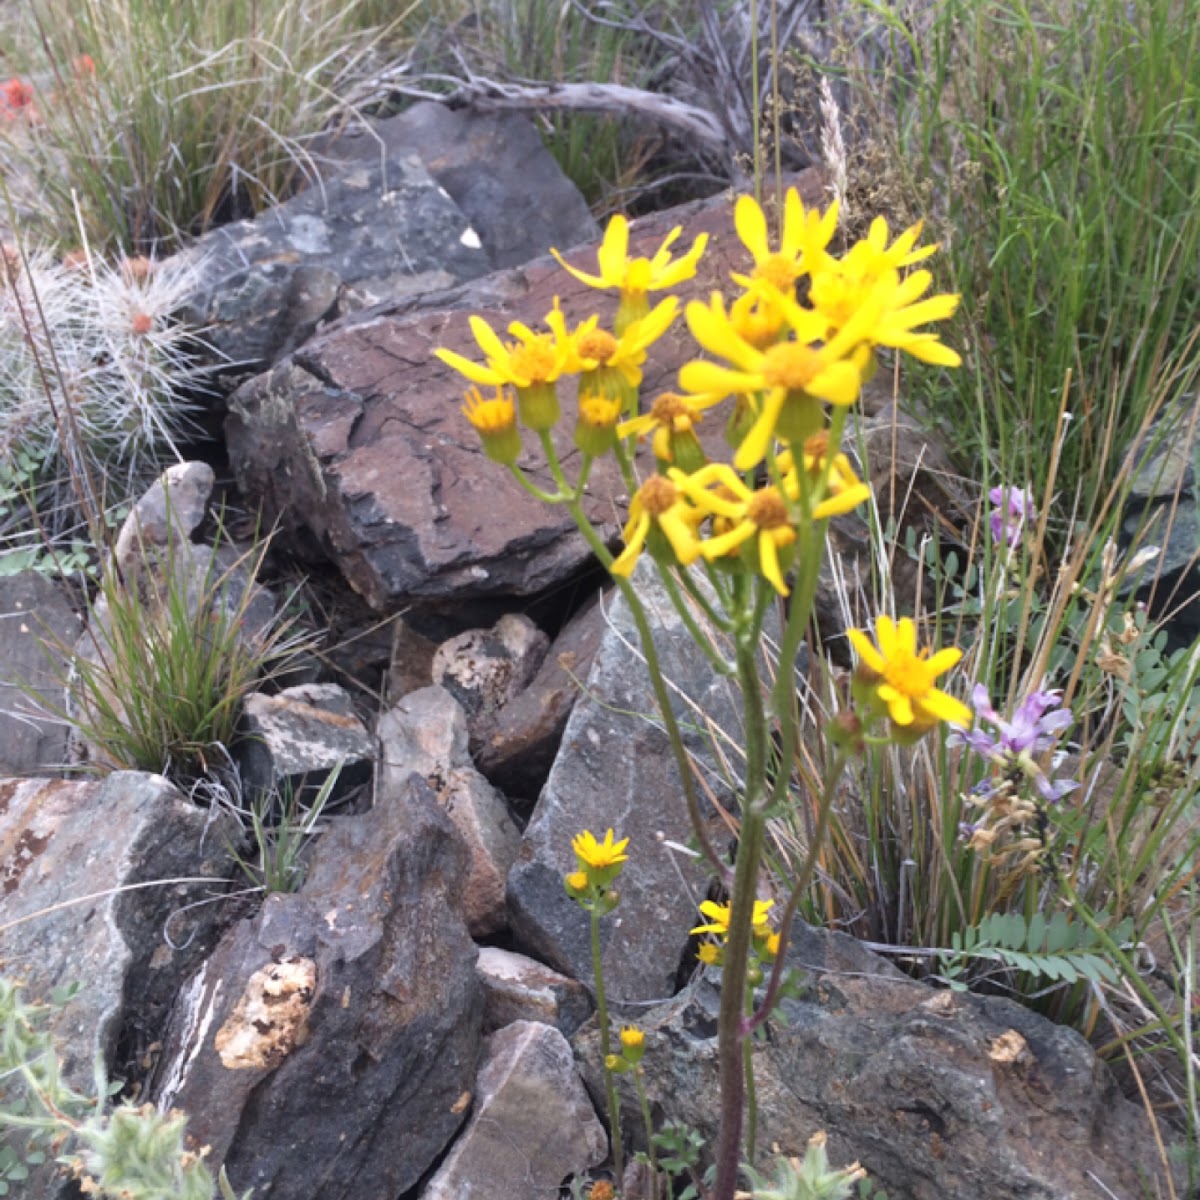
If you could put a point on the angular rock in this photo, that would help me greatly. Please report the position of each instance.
(532, 1124)
(357, 445)
(425, 735)
(494, 166)
(327, 1047)
(615, 769)
(941, 1095)
(484, 668)
(294, 740)
(410, 666)
(515, 745)
(37, 628)
(385, 229)
(87, 846)
(516, 988)
(166, 514)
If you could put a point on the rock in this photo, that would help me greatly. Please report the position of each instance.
(615, 769)
(494, 166)
(940, 1094)
(516, 988)
(384, 229)
(294, 740)
(484, 668)
(532, 1124)
(325, 1047)
(515, 745)
(425, 735)
(356, 444)
(410, 666)
(1163, 510)
(37, 629)
(87, 846)
(166, 515)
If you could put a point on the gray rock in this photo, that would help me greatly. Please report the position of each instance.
(87, 847)
(425, 735)
(515, 745)
(484, 668)
(410, 665)
(294, 740)
(37, 629)
(383, 228)
(357, 447)
(328, 1048)
(516, 988)
(495, 168)
(167, 513)
(941, 1095)
(615, 769)
(532, 1126)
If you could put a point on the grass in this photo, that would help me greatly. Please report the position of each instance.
(162, 117)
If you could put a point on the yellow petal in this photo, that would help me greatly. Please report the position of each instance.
(613, 250)
(475, 372)
(839, 383)
(751, 227)
(754, 445)
(768, 561)
(716, 380)
(943, 660)
(946, 708)
(866, 650)
(843, 502)
(583, 277)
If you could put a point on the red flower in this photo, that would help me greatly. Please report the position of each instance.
(15, 96)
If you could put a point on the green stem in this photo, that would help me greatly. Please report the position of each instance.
(739, 939)
(662, 696)
(610, 1088)
(748, 1072)
(648, 1120)
(532, 488)
(703, 643)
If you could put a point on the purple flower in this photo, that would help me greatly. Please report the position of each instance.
(1035, 728)
(1013, 509)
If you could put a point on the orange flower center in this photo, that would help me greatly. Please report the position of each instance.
(767, 509)
(534, 360)
(779, 271)
(668, 408)
(599, 345)
(791, 365)
(658, 495)
(909, 674)
(490, 416)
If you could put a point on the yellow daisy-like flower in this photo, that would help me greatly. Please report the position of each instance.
(672, 420)
(531, 362)
(839, 293)
(718, 917)
(745, 514)
(635, 277)
(843, 490)
(595, 349)
(576, 881)
(659, 504)
(804, 235)
(596, 425)
(495, 420)
(903, 678)
(632, 1038)
(709, 954)
(794, 374)
(599, 855)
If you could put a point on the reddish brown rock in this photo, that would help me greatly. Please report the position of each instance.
(356, 443)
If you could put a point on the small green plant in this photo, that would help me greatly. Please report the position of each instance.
(809, 1179)
(171, 650)
(126, 1153)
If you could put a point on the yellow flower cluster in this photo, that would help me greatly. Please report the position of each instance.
(598, 863)
(789, 366)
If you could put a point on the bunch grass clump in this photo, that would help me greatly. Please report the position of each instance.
(162, 117)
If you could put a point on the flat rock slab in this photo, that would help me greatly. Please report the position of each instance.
(615, 769)
(357, 446)
(941, 1095)
(328, 1047)
(37, 625)
(532, 1126)
(516, 988)
(382, 228)
(495, 167)
(67, 851)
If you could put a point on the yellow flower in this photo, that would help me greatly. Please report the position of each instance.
(495, 421)
(709, 954)
(593, 348)
(672, 420)
(903, 678)
(804, 236)
(744, 514)
(576, 881)
(599, 855)
(635, 277)
(794, 375)
(531, 362)
(659, 504)
(757, 316)
(718, 915)
(843, 490)
(596, 424)
(632, 1038)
